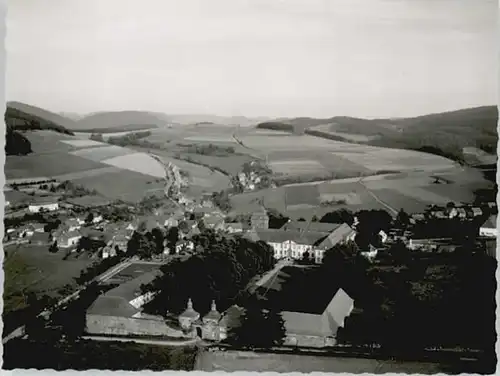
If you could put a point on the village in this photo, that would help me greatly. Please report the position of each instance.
(135, 242)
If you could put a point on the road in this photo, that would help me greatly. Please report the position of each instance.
(387, 206)
(46, 313)
(158, 342)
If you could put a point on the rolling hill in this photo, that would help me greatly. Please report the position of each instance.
(444, 133)
(22, 117)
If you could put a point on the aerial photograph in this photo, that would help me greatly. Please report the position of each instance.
(251, 185)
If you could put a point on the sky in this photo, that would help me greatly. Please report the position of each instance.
(318, 58)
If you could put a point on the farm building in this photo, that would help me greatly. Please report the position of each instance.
(233, 227)
(489, 227)
(119, 312)
(320, 329)
(69, 239)
(310, 319)
(44, 204)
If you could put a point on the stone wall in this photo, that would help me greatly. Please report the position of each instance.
(301, 340)
(123, 326)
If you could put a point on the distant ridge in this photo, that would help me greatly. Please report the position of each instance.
(444, 133)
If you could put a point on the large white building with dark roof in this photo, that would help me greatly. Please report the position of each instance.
(297, 243)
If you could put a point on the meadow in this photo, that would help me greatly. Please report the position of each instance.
(30, 268)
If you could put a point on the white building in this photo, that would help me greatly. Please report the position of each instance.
(43, 206)
(299, 244)
(69, 239)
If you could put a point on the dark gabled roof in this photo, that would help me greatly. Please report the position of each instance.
(336, 237)
(40, 237)
(280, 236)
(491, 222)
(112, 306)
(115, 302)
(311, 226)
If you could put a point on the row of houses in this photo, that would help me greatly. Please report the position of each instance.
(463, 212)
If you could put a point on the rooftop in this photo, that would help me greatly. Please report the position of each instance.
(43, 200)
(280, 236)
(491, 222)
(299, 289)
(310, 226)
(115, 302)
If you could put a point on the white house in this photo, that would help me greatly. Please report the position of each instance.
(97, 219)
(489, 227)
(69, 239)
(43, 206)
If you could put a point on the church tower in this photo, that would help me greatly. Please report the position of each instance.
(260, 219)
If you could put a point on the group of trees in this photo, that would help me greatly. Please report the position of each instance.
(125, 140)
(16, 143)
(221, 200)
(260, 328)
(147, 244)
(210, 149)
(220, 269)
(408, 301)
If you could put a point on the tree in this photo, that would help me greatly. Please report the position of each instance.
(158, 238)
(260, 328)
(276, 219)
(315, 218)
(172, 237)
(53, 248)
(90, 218)
(402, 219)
(338, 216)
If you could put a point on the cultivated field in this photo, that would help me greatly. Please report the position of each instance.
(124, 185)
(82, 143)
(330, 130)
(102, 153)
(411, 191)
(138, 162)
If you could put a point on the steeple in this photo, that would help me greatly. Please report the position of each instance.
(213, 315)
(190, 304)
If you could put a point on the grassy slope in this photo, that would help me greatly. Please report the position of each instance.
(40, 114)
(21, 116)
(449, 131)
